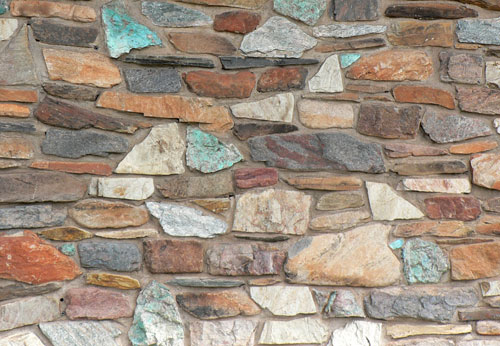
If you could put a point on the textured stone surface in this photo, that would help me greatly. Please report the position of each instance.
(19, 290)
(488, 328)
(21, 339)
(339, 303)
(326, 182)
(72, 92)
(322, 114)
(31, 216)
(423, 261)
(348, 59)
(168, 60)
(80, 333)
(284, 300)
(307, 11)
(470, 262)
(443, 185)
(215, 333)
(112, 280)
(282, 79)
(212, 84)
(14, 111)
(8, 27)
(68, 233)
(240, 22)
(119, 256)
(52, 9)
(173, 256)
(17, 127)
(430, 167)
(478, 100)
(484, 31)
(490, 288)
(422, 94)
(400, 150)
(95, 168)
(275, 108)
(41, 309)
(430, 11)
(398, 331)
(246, 178)
(417, 34)
(205, 282)
(238, 62)
(460, 208)
(51, 33)
(338, 201)
(453, 128)
(387, 205)
(124, 188)
(96, 303)
(158, 80)
(16, 95)
(476, 314)
(350, 11)
(213, 185)
(201, 43)
(254, 4)
(16, 148)
(297, 331)
(357, 333)
(461, 67)
(360, 257)
(454, 229)
(347, 30)
(340, 221)
(245, 131)
(485, 170)
(329, 77)
(363, 43)
(493, 73)
(173, 16)
(128, 233)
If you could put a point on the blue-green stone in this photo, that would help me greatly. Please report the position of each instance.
(347, 60)
(307, 11)
(68, 249)
(397, 244)
(424, 261)
(4, 6)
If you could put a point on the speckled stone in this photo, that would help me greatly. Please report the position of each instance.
(173, 15)
(346, 30)
(119, 256)
(453, 128)
(81, 333)
(424, 261)
(157, 80)
(307, 11)
(485, 31)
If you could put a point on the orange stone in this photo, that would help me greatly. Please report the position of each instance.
(474, 147)
(220, 85)
(95, 168)
(489, 225)
(201, 43)
(417, 33)
(475, 261)
(423, 94)
(468, 46)
(14, 95)
(29, 259)
(452, 229)
(13, 110)
(16, 148)
(33, 8)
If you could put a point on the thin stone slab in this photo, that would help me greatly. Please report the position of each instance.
(485, 31)
(168, 60)
(235, 333)
(238, 62)
(454, 128)
(173, 15)
(386, 204)
(31, 216)
(359, 333)
(121, 282)
(21, 339)
(307, 11)
(50, 32)
(201, 43)
(339, 201)
(339, 221)
(118, 256)
(69, 91)
(18, 290)
(284, 300)
(276, 108)
(158, 80)
(205, 282)
(126, 188)
(423, 261)
(248, 130)
(347, 30)
(81, 333)
(128, 233)
(442, 185)
(41, 309)
(252, 4)
(430, 167)
(52, 9)
(329, 77)
(297, 331)
(399, 331)
(68, 233)
(17, 127)
(430, 11)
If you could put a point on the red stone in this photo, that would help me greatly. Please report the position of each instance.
(173, 256)
(282, 79)
(454, 207)
(97, 303)
(96, 168)
(240, 22)
(219, 85)
(29, 259)
(247, 178)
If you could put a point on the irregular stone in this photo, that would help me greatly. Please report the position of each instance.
(297, 331)
(213, 185)
(52, 33)
(52, 9)
(324, 182)
(180, 221)
(342, 259)
(423, 261)
(4, 6)
(112, 280)
(442, 185)
(338, 201)
(173, 256)
(239, 22)
(400, 150)
(322, 114)
(398, 331)
(96, 303)
(430, 167)
(173, 16)
(219, 304)
(360, 333)
(364, 43)
(461, 67)
(72, 92)
(244, 259)
(205, 282)
(485, 261)
(460, 208)
(282, 79)
(128, 233)
(276, 108)
(422, 94)
(418, 34)
(388, 121)
(317, 151)
(123, 33)
(68, 233)
(485, 170)
(347, 60)
(238, 62)
(453, 128)
(16, 95)
(252, 4)
(18, 290)
(454, 229)
(483, 31)
(168, 60)
(347, 30)
(478, 100)
(14, 111)
(21, 339)
(158, 80)
(41, 309)
(279, 38)
(340, 221)
(492, 204)
(245, 131)
(8, 27)
(488, 328)
(201, 43)
(339, 303)
(429, 11)
(308, 11)
(67, 249)
(118, 256)
(212, 84)
(284, 300)
(329, 77)
(387, 205)
(96, 168)
(31, 216)
(247, 178)
(16, 148)
(493, 73)
(214, 333)
(479, 314)
(80, 333)
(490, 288)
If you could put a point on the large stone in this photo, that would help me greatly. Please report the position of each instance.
(392, 65)
(319, 151)
(180, 221)
(418, 34)
(88, 68)
(359, 257)
(443, 185)
(201, 43)
(428, 303)
(21, 339)
(157, 80)
(16, 62)
(423, 261)
(51, 33)
(485, 168)
(338, 201)
(354, 10)
(398, 331)
(478, 100)
(422, 94)
(8, 27)
(213, 185)
(112, 280)
(246, 178)
(323, 182)
(387, 205)
(95, 168)
(284, 300)
(297, 331)
(97, 304)
(173, 15)
(29, 259)
(452, 207)
(245, 131)
(400, 150)
(81, 333)
(430, 11)
(278, 37)
(453, 128)
(124, 33)
(452, 229)
(238, 62)
(215, 333)
(71, 92)
(18, 290)
(329, 77)
(254, 4)
(360, 333)
(322, 114)
(485, 31)
(218, 85)
(31, 216)
(16, 148)
(430, 167)
(307, 11)
(41, 309)
(118, 256)
(52, 9)
(173, 256)
(347, 30)
(240, 22)
(461, 67)
(339, 221)
(470, 262)
(275, 108)
(124, 188)
(272, 211)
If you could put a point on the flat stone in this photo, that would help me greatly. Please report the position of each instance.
(124, 33)
(342, 259)
(443, 185)
(363, 43)
(121, 282)
(267, 239)
(157, 80)
(418, 34)
(284, 300)
(329, 77)
(217, 304)
(339, 221)
(252, 4)
(213, 185)
(16, 62)
(453, 128)
(173, 15)
(488, 328)
(308, 11)
(16, 148)
(7, 163)
(477, 314)
(339, 201)
(478, 343)
(68, 233)
(483, 31)
(173, 256)
(297, 331)
(453, 229)
(118, 256)
(17, 95)
(71, 92)
(461, 67)
(400, 150)
(123, 188)
(339, 303)
(218, 85)
(14, 110)
(168, 60)
(430, 11)
(385, 121)
(422, 94)
(347, 30)
(421, 341)
(423, 261)
(21, 339)
(398, 331)
(282, 79)
(49, 32)
(276, 108)
(485, 264)
(247, 178)
(460, 208)
(419, 302)
(180, 221)
(351, 11)
(237, 62)
(360, 333)
(318, 114)
(478, 100)
(128, 233)
(319, 151)
(205, 282)
(93, 213)
(96, 168)
(201, 43)
(279, 38)
(244, 259)
(31, 216)
(248, 130)
(386, 204)
(240, 22)
(324, 182)
(489, 4)
(42, 309)
(96, 303)
(52, 9)
(8, 27)
(430, 167)
(80, 333)
(485, 170)
(215, 333)
(19, 290)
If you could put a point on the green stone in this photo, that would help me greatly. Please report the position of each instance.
(4, 6)
(397, 244)
(347, 60)
(68, 249)
(424, 261)
(307, 11)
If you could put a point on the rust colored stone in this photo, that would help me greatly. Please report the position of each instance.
(16, 148)
(282, 79)
(363, 43)
(16, 95)
(489, 225)
(421, 34)
(96, 168)
(453, 229)
(219, 85)
(399, 150)
(475, 261)
(33, 8)
(173, 256)
(29, 259)
(97, 304)
(112, 280)
(247, 178)
(452, 207)
(199, 43)
(324, 182)
(473, 147)
(240, 22)
(68, 233)
(423, 94)
(14, 111)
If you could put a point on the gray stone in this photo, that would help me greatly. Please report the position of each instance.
(49, 32)
(454, 128)
(17, 127)
(278, 37)
(117, 256)
(485, 31)
(31, 216)
(238, 62)
(339, 303)
(423, 261)
(158, 80)
(81, 333)
(427, 303)
(359, 333)
(18, 290)
(235, 333)
(213, 185)
(461, 67)
(28, 311)
(346, 30)
(204, 282)
(72, 92)
(174, 16)
(75, 144)
(168, 60)
(354, 10)
(180, 221)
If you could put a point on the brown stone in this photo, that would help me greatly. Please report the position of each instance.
(492, 204)
(240, 22)
(430, 167)
(93, 213)
(16, 148)
(461, 67)
(230, 3)
(488, 225)
(112, 280)
(215, 205)
(9, 290)
(339, 201)
(475, 261)
(14, 111)
(71, 92)
(479, 314)
(469, 46)
(452, 207)
(368, 88)
(489, 4)
(423, 94)
(29, 259)
(220, 304)
(173, 256)
(67, 233)
(400, 150)
(324, 182)
(282, 79)
(430, 11)
(462, 241)
(96, 168)
(213, 185)
(420, 34)
(363, 43)
(201, 43)
(35, 8)
(16, 95)
(219, 85)
(385, 121)
(478, 100)
(247, 178)
(194, 110)
(392, 65)
(488, 328)
(81, 68)
(485, 170)
(96, 304)
(454, 229)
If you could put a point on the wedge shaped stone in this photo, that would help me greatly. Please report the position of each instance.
(329, 77)
(386, 204)
(276, 108)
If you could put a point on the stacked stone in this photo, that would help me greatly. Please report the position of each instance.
(249, 172)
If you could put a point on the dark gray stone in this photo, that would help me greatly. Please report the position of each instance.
(72, 92)
(485, 31)
(271, 239)
(49, 32)
(18, 290)
(236, 62)
(31, 216)
(75, 144)
(245, 131)
(205, 282)
(158, 80)
(168, 60)
(354, 10)
(117, 256)
(174, 16)
(454, 128)
(17, 127)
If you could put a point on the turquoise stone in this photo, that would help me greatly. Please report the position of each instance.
(347, 60)
(123, 33)
(4, 6)
(68, 249)
(423, 261)
(397, 244)
(307, 11)
(207, 154)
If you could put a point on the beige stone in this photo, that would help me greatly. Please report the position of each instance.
(16, 148)
(315, 181)
(276, 108)
(34, 8)
(28, 311)
(488, 327)
(112, 280)
(124, 188)
(297, 331)
(493, 73)
(486, 170)
(339, 221)
(128, 233)
(453, 229)
(21, 339)
(7, 28)
(284, 300)
(324, 115)
(397, 331)
(14, 111)
(338, 201)
(442, 185)
(387, 205)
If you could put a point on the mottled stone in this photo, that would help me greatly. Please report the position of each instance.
(453, 128)
(68, 249)
(348, 59)
(485, 31)
(443, 185)
(68, 233)
(282, 79)
(49, 32)
(21, 339)
(461, 67)
(488, 328)
(453, 229)
(354, 10)
(307, 11)
(237, 62)
(173, 256)
(430, 11)
(423, 261)
(387, 205)
(361, 333)
(476, 314)
(363, 43)
(174, 16)
(324, 182)
(128, 233)
(422, 94)
(119, 256)
(17, 95)
(245, 131)
(460, 208)
(485, 170)
(52, 9)
(339, 221)
(400, 150)
(112, 280)
(398, 331)
(329, 77)
(18, 290)
(31, 216)
(339, 303)
(72, 92)
(218, 85)
(318, 114)
(240, 22)
(418, 34)
(81, 333)
(297, 331)
(493, 73)
(41, 309)
(284, 300)
(215, 333)
(347, 30)
(338, 201)
(478, 100)
(246, 178)
(201, 43)
(16, 148)
(213, 185)
(276, 108)
(430, 167)
(168, 60)
(124, 188)
(4, 6)
(17, 127)
(96, 168)
(14, 110)
(157, 80)
(205, 282)
(470, 262)
(96, 303)
(492, 205)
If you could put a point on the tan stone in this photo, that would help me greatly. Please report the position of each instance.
(128, 233)
(215, 205)
(323, 115)
(14, 111)
(324, 182)
(475, 261)
(33, 8)
(16, 148)
(112, 280)
(488, 327)
(486, 170)
(418, 34)
(81, 68)
(454, 229)
(340, 221)
(16, 95)
(201, 43)
(443, 185)
(400, 150)
(473, 147)
(397, 331)
(489, 225)
(386, 204)
(338, 200)
(68, 233)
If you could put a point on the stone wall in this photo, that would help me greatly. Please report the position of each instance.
(249, 172)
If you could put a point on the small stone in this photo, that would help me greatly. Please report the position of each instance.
(168, 60)
(488, 225)
(460, 208)
(485, 171)
(490, 288)
(453, 229)
(351, 11)
(339, 201)
(21, 339)
(347, 60)
(68, 233)
(173, 256)
(307, 11)
(238, 62)
(492, 204)
(253, 4)
(96, 303)
(488, 328)
(485, 31)
(8, 27)
(478, 100)
(118, 256)
(430, 11)
(421, 94)
(213, 185)
(282, 79)
(363, 43)
(276, 108)
(430, 167)
(284, 300)
(16, 148)
(423, 261)
(124, 188)
(31, 216)
(41, 309)
(72, 92)
(387, 205)
(398, 331)
(96, 168)
(485, 264)
(347, 30)
(279, 38)
(201, 43)
(173, 15)
(247, 178)
(265, 238)
(68, 249)
(418, 34)
(461, 67)
(340, 221)
(112, 280)
(157, 80)
(123, 33)
(216, 333)
(324, 182)
(218, 85)
(14, 111)
(400, 150)
(297, 331)
(339, 303)
(128, 233)
(7, 163)
(239, 22)
(205, 282)
(477, 314)
(52, 9)
(49, 32)
(16, 95)
(215, 205)
(4, 6)
(453, 128)
(322, 114)
(329, 77)
(18, 290)
(246, 131)
(442, 185)
(359, 333)
(93, 213)
(392, 65)
(397, 244)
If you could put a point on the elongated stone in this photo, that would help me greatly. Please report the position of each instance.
(52, 33)
(322, 114)
(324, 182)
(485, 264)
(125, 188)
(215, 205)
(400, 150)
(212, 84)
(308, 11)
(454, 229)
(478, 100)
(297, 331)
(158, 80)
(201, 43)
(421, 94)
(41, 309)
(276, 108)
(128, 233)
(430, 11)
(452, 207)
(488, 328)
(252, 4)
(339, 221)
(52, 9)
(347, 30)
(81, 333)
(418, 34)
(443, 185)
(329, 77)
(72, 92)
(476, 314)
(387, 205)
(363, 43)
(282, 79)
(423, 261)
(173, 256)
(213, 185)
(168, 60)
(240, 22)
(237, 62)
(485, 170)
(66, 234)
(338, 201)
(430, 167)
(117, 256)
(18, 290)
(112, 280)
(246, 131)
(95, 168)
(31, 216)
(485, 31)
(14, 110)
(247, 178)
(21, 339)
(174, 16)
(399, 331)
(239, 332)
(205, 282)
(16, 148)
(96, 303)
(16, 95)
(284, 300)
(453, 128)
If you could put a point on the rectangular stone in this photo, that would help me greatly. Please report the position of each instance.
(28, 311)
(478, 100)
(67, 35)
(168, 60)
(419, 34)
(478, 314)
(173, 256)
(354, 10)
(16, 95)
(31, 216)
(490, 288)
(214, 185)
(398, 331)
(454, 229)
(442, 185)
(324, 182)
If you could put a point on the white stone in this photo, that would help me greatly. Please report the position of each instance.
(490, 288)
(8, 27)
(124, 188)
(346, 30)
(493, 73)
(423, 342)
(329, 77)
(28, 311)
(21, 339)
(180, 221)
(276, 108)
(386, 204)
(479, 343)
(359, 333)
(160, 153)
(81, 333)
(128, 233)
(218, 333)
(284, 300)
(443, 185)
(298, 331)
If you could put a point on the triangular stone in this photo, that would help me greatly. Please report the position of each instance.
(16, 62)
(386, 204)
